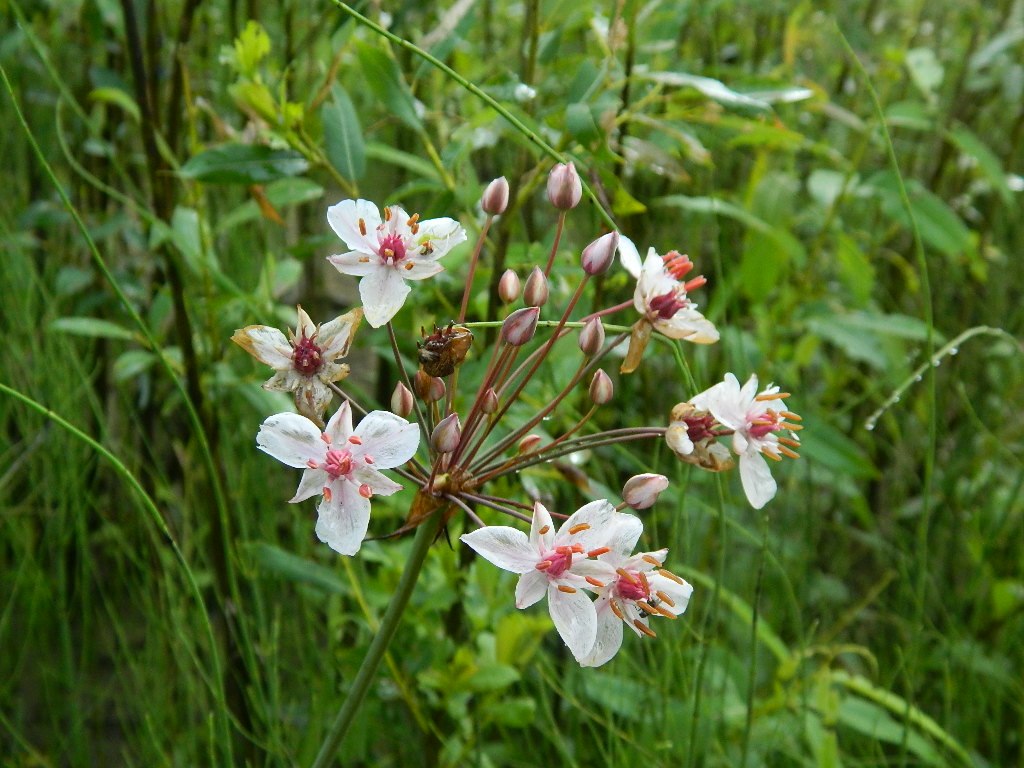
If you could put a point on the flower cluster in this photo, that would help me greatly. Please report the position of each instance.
(590, 552)
(450, 445)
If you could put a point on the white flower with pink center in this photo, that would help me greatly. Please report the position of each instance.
(759, 429)
(638, 589)
(341, 464)
(387, 252)
(557, 564)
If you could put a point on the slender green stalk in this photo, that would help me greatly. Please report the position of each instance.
(489, 100)
(392, 617)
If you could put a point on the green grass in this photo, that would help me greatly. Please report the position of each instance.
(161, 604)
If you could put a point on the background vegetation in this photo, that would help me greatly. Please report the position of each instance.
(873, 614)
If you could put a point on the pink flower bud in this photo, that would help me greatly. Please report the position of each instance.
(447, 434)
(592, 337)
(508, 286)
(599, 255)
(535, 294)
(520, 326)
(489, 401)
(601, 389)
(427, 388)
(641, 491)
(401, 400)
(528, 444)
(495, 197)
(564, 187)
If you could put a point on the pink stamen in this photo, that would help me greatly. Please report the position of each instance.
(392, 248)
(354, 439)
(365, 491)
(677, 264)
(338, 463)
(633, 588)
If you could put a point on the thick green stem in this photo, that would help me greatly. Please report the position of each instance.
(392, 617)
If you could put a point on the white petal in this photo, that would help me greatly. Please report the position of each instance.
(268, 345)
(678, 438)
(443, 235)
(342, 521)
(340, 425)
(530, 588)
(678, 593)
(598, 515)
(379, 484)
(608, 638)
(344, 220)
(355, 263)
(623, 533)
(383, 293)
(575, 619)
(311, 484)
(541, 522)
(758, 483)
(629, 256)
(420, 268)
(292, 439)
(389, 439)
(506, 547)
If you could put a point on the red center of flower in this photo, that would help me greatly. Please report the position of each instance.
(633, 586)
(307, 357)
(769, 422)
(392, 248)
(338, 462)
(560, 560)
(666, 305)
(699, 427)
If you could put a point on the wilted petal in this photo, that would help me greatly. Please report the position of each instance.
(268, 345)
(291, 439)
(335, 337)
(575, 619)
(506, 547)
(689, 324)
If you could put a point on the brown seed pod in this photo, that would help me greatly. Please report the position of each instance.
(443, 351)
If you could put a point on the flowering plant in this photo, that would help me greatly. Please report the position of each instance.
(450, 446)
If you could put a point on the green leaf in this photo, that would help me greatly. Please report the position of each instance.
(117, 97)
(343, 137)
(925, 70)
(91, 326)
(515, 712)
(243, 164)
(713, 89)
(986, 160)
(388, 154)
(275, 560)
(832, 448)
(579, 121)
(250, 47)
(131, 363)
(939, 226)
(280, 193)
(871, 720)
(491, 677)
(385, 80)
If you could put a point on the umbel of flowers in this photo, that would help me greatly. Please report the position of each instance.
(449, 445)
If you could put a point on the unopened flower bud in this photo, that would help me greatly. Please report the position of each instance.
(495, 197)
(489, 401)
(447, 434)
(535, 294)
(528, 444)
(592, 337)
(401, 400)
(564, 187)
(641, 491)
(427, 388)
(599, 255)
(508, 286)
(520, 326)
(601, 388)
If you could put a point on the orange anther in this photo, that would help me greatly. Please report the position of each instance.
(665, 599)
(671, 576)
(544, 530)
(362, 228)
(643, 628)
(580, 527)
(598, 551)
(566, 589)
